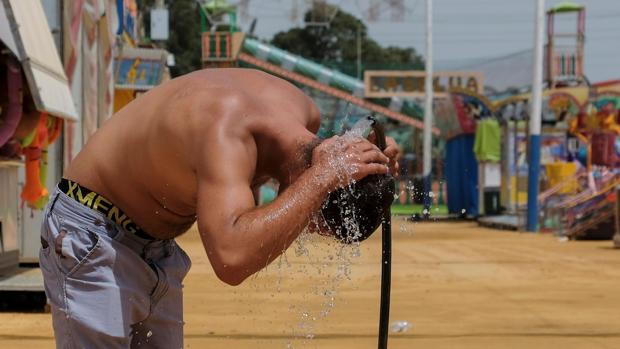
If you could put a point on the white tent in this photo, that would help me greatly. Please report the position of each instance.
(25, 31)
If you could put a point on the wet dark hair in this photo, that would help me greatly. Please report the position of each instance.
(355, 212)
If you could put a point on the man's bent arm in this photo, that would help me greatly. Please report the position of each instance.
(240, 238)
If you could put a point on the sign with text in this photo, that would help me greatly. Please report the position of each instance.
(410, 83)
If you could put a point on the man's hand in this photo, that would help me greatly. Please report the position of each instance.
(394, 153)
(339, 160)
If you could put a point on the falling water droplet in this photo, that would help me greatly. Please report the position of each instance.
(400, 326)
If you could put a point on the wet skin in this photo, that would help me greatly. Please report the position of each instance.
(195, 147)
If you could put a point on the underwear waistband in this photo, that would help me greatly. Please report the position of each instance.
(99, 203)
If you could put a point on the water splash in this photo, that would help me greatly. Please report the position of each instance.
(324, 264)
(404, 224)
(400, 326)
(360, 128)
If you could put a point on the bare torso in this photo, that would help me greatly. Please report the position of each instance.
(145, 158)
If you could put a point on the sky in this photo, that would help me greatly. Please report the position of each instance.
(464, 30)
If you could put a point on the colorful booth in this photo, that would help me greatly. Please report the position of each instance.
(38, 99)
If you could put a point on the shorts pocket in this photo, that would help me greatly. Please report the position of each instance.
(74, 247)
(47, 261)
(44, 249)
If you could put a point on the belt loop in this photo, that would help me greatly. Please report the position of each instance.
(56, 195)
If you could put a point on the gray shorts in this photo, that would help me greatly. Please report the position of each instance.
(107, 287)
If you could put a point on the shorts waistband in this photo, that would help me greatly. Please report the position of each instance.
(99, 203)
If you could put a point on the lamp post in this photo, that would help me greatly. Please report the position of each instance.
(535, 121)
(428, 109)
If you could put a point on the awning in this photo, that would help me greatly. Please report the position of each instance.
(24, 30)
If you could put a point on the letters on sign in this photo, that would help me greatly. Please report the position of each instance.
(410, 83)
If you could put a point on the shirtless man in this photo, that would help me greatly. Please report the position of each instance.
(192, 149)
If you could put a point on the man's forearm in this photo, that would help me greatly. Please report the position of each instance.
(262, 234)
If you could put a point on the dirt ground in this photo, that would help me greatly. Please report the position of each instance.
(457, 285)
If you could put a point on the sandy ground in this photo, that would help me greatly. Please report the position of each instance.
(458, 286)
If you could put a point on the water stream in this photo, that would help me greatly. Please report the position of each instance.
(323, 263)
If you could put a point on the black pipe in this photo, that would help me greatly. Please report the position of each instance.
(386, 278)
(386, 253)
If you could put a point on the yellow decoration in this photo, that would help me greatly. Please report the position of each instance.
(561, 172)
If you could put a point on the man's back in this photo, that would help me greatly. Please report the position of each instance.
(145, 158)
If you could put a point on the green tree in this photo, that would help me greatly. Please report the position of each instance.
(185, 36)
(336, 45)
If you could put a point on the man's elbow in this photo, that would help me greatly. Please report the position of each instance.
(232, 270)
(230, 277)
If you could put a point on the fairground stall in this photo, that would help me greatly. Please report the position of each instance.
(35, 100)
(58, 58)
